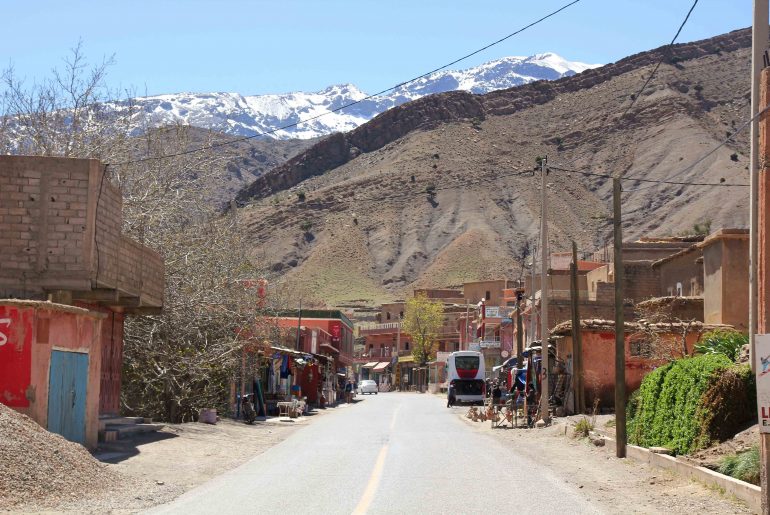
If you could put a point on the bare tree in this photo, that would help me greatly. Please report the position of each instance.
(185, 358)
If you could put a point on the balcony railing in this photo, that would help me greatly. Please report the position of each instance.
(370, 328)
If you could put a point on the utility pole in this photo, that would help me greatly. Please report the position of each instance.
(519, 330)
(397, 367)
(544, 390)
(299, 325)
(620, 341)
(759, 42)
(577, 343)
(531, 331)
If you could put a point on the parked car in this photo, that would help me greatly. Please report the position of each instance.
(367, 386)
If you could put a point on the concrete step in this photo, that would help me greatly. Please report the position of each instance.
(124, 430)
(116, 420)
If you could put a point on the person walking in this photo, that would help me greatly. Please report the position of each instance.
(451, 398)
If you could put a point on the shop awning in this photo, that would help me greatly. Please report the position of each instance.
(381, 366)
(371, 364)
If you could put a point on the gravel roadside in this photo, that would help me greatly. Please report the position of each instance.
(620, 486)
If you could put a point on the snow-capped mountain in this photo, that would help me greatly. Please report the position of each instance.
(241, 115)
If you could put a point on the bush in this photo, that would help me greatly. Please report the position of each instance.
(743, 466)
(722, 341)
(727, 406)
(583, 428)
(664, 411)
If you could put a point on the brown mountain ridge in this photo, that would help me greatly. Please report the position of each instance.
(353, 219)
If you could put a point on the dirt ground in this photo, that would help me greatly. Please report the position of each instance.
(621, 486)
(161, 466)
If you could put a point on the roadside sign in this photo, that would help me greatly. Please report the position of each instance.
(762, 370)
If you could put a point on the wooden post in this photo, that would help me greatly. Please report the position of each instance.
(620, 343)
(544, 337)
(519, 331)
(577, 344)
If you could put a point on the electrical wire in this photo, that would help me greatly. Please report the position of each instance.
(637, 179)
(634, 98)
(350, 104)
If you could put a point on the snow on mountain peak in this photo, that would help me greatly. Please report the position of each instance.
(236, 114)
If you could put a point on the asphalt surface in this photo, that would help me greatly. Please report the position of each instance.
(389, 453)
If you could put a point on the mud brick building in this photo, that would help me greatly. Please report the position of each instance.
(61, 241)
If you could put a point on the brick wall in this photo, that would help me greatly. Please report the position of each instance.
(641, 281)
(43, 223)
(60, 229)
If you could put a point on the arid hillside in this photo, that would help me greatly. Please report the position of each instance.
(353, 219)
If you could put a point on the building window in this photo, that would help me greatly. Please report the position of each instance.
(640, 347)
(387, 315)
(400, 314)
(488, 296)
(406, 345)
(679, 289)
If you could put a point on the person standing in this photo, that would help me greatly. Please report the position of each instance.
(451, 398)
(349, 391)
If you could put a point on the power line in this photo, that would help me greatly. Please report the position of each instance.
(720, 145)
(634, 98)
(637, 179)
(368, 97)
(663, 56)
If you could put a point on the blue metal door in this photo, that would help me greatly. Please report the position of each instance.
(67, 385)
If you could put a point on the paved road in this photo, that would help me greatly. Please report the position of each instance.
(390, 453)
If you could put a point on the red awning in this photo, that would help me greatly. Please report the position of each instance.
(382, 366)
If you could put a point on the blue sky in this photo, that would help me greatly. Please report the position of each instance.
(255, 47)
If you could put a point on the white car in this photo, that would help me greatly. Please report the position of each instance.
(367, 386)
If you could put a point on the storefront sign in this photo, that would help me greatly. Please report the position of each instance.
(441, 357)
(491, 311)
(474, 347)
(335, 330)
(762, 370)
(490, 345)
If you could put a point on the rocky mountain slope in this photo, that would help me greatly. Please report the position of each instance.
(243, 115)
(441, 190)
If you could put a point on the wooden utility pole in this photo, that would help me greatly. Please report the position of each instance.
(544, 393)
(620, 341)
(759, 264)
(577, 343)
(519, 332)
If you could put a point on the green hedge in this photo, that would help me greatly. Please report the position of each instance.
(667, 410)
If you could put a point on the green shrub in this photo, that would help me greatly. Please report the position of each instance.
(722, 341)
(664, 412)
(727, 405)
(743, 466)
(583, 427)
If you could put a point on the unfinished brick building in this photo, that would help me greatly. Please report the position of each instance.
(60, 239)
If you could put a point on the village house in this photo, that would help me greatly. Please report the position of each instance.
(61, 241)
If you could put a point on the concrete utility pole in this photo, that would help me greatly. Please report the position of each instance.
(759, 42)
(620, 341)
(544, 393)
(577, 343)
(758, 320)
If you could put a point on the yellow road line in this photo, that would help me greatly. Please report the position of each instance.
(374, 479)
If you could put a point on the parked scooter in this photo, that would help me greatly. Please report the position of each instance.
(247, 410)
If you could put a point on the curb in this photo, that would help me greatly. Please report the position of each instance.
(746, 492)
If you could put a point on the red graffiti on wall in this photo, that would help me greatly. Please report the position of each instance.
(15, 355)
